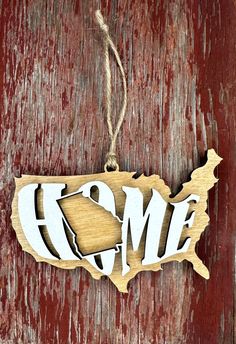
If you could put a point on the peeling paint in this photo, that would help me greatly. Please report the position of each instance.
(179, 58)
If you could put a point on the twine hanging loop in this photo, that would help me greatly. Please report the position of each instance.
(111, 162)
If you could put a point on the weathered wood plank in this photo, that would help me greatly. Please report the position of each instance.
(179, 58)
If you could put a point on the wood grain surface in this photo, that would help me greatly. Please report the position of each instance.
(180, 61)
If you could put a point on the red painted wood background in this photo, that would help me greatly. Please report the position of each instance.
(180, 61)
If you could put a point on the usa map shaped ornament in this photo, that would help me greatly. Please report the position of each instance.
(113, 223)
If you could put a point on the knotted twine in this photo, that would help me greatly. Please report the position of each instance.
(111, 162)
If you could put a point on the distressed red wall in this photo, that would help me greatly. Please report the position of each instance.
(180, 62)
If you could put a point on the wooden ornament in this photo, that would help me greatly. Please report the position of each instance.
(113, 223)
